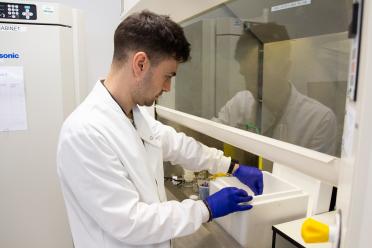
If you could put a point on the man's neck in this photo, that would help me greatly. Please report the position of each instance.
(116, 86)
(278, 104)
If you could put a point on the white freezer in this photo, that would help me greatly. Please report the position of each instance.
(32, 204)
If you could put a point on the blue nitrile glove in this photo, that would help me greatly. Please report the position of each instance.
(250, 176)
(227, 201)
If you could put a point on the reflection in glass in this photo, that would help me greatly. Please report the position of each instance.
(282, 74)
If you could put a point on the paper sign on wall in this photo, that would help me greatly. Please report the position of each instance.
(12, 99)
(290, 5)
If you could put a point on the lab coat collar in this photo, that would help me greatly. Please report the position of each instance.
(269, 120)
(293, 99)
(103, 94)
(143, 128)
(141, 124)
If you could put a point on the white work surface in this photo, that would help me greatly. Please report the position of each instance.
(293, 229)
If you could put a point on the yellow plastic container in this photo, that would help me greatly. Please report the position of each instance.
(313, 231)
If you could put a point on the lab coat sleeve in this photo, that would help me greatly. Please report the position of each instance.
(101, 186)
(189, 153)
(224, 115)
(324, 139)
(238, 111)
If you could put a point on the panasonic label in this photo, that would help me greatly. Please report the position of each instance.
(9, 56)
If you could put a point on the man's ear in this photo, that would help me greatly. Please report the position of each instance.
(140, 64)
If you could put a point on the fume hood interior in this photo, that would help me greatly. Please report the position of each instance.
(311, 38)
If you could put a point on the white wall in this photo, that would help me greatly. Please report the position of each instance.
(101, 19)
(179, 10)
(128, 4)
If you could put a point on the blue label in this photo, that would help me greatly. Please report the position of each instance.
(9, 56)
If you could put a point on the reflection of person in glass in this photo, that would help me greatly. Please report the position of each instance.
(286, 114)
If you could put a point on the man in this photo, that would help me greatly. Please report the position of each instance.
(286, 114)
(111, 152)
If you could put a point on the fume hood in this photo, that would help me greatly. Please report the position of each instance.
(327, 65)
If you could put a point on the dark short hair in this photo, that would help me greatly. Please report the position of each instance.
(156, 35)
(245, 44)
(260, 33)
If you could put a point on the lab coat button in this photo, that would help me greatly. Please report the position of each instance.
(151, 138)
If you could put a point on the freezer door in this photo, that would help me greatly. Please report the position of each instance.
(32, 204)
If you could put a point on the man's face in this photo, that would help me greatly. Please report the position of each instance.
(275, 70)
(156, 81)
(249, 70)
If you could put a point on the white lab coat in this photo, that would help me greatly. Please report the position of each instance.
(111, 175)
(304, 121)
(238, 111)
